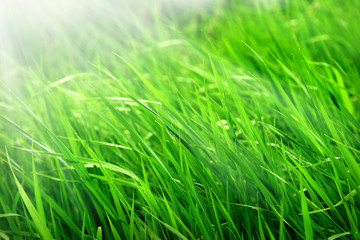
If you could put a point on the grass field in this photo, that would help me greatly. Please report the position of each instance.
(233, 119)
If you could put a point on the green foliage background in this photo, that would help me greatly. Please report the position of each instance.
(235, 120)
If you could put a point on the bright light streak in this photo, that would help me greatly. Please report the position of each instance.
(33, 20)
(38, 32)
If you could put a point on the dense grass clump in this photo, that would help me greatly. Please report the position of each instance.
(230, 120)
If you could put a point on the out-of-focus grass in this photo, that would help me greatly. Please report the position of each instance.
(235, 121)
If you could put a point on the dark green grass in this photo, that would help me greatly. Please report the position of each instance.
(240, 121)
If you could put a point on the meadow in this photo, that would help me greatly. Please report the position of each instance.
(230, 119)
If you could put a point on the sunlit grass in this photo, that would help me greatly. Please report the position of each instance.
(222, 121)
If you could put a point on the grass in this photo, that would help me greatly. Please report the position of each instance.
(232, 121)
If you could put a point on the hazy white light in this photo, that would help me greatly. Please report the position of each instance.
(20, 19)
(30, 29)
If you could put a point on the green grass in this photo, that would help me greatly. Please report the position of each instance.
(239, 120)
